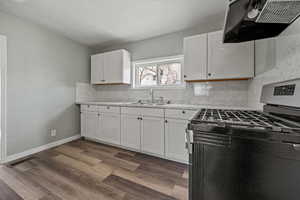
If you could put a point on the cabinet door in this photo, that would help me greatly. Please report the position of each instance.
(152, 135)
(113, 67)
(195, 57)
(131, 131)
(229, 60)
(175, 139)
(97, 69)
(91, 124)
(110, 126)
(83, 123)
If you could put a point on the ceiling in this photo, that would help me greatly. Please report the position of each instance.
(99, 22)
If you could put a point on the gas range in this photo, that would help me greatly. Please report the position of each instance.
(246, 154)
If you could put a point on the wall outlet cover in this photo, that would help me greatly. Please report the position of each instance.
(53, 132)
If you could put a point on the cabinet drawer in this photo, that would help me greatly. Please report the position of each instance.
(109, 109)
(180, 114)
(131, 111)
(155, 112)
(92, 108)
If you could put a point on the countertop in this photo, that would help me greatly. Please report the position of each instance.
(166, 106)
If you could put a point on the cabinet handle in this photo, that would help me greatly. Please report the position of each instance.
(141, 118)
(103, 80)
(183, 112)
(166, 121)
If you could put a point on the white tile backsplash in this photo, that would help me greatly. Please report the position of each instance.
(228, 93)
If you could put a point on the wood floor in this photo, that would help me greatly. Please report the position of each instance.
(83, 170)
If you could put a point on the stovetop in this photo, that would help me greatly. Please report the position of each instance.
(253, 119)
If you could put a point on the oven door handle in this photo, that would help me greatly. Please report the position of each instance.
(189, 138)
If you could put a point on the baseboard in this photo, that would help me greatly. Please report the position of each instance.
(39, 149)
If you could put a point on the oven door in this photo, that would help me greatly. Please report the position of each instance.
(245, 169)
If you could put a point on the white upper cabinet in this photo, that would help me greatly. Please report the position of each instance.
(229, 61)
(195, 57)
(111, 68)
(206, 57)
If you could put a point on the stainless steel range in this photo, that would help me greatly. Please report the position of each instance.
(245, 154)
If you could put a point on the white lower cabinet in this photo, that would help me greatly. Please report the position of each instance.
(152, 131)
(152, 135)
(91, 124)
(110, 128)
(131, 131)
(175, 139)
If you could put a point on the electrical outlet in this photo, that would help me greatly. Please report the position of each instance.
(53, 132)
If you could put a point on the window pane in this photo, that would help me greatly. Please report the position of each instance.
(170, 74)
(147, 75)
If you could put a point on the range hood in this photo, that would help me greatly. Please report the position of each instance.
(257, 19)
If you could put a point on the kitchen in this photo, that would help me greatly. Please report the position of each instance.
(136, 119)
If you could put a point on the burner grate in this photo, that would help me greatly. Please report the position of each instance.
(240, 117)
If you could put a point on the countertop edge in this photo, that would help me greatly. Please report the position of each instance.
(169, 106)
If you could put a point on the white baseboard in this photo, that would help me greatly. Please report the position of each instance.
(39, 149)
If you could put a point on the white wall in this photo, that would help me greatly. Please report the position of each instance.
(43, 68)
(277, 59)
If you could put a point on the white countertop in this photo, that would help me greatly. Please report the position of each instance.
(166, 106)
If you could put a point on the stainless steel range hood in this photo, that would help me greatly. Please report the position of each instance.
(257, 19)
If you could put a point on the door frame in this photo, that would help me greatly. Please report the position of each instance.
(3, 94)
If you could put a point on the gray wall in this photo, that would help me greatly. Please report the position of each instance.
(277, 59)
(162, 46)
(43, 68)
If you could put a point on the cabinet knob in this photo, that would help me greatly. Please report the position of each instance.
(108, 107)
(183, 112)
(103, 80)
(209, 74)
(184, 76)
(166, 121)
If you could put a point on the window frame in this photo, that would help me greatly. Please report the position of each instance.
(159, 61)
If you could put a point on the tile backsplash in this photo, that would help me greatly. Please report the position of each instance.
(228, 93)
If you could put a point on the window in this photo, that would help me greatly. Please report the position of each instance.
(159, 72)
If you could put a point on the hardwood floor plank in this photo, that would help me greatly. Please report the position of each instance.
(76, 153)
(133, 177)
(160, 176)
(186, 174)
(66, 188)
(6, 193)
(83, 179)
(134, 190)
(21, 185)
(147, 163)
(180, 193)
(111, 160)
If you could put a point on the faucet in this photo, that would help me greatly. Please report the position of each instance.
(152, 95)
